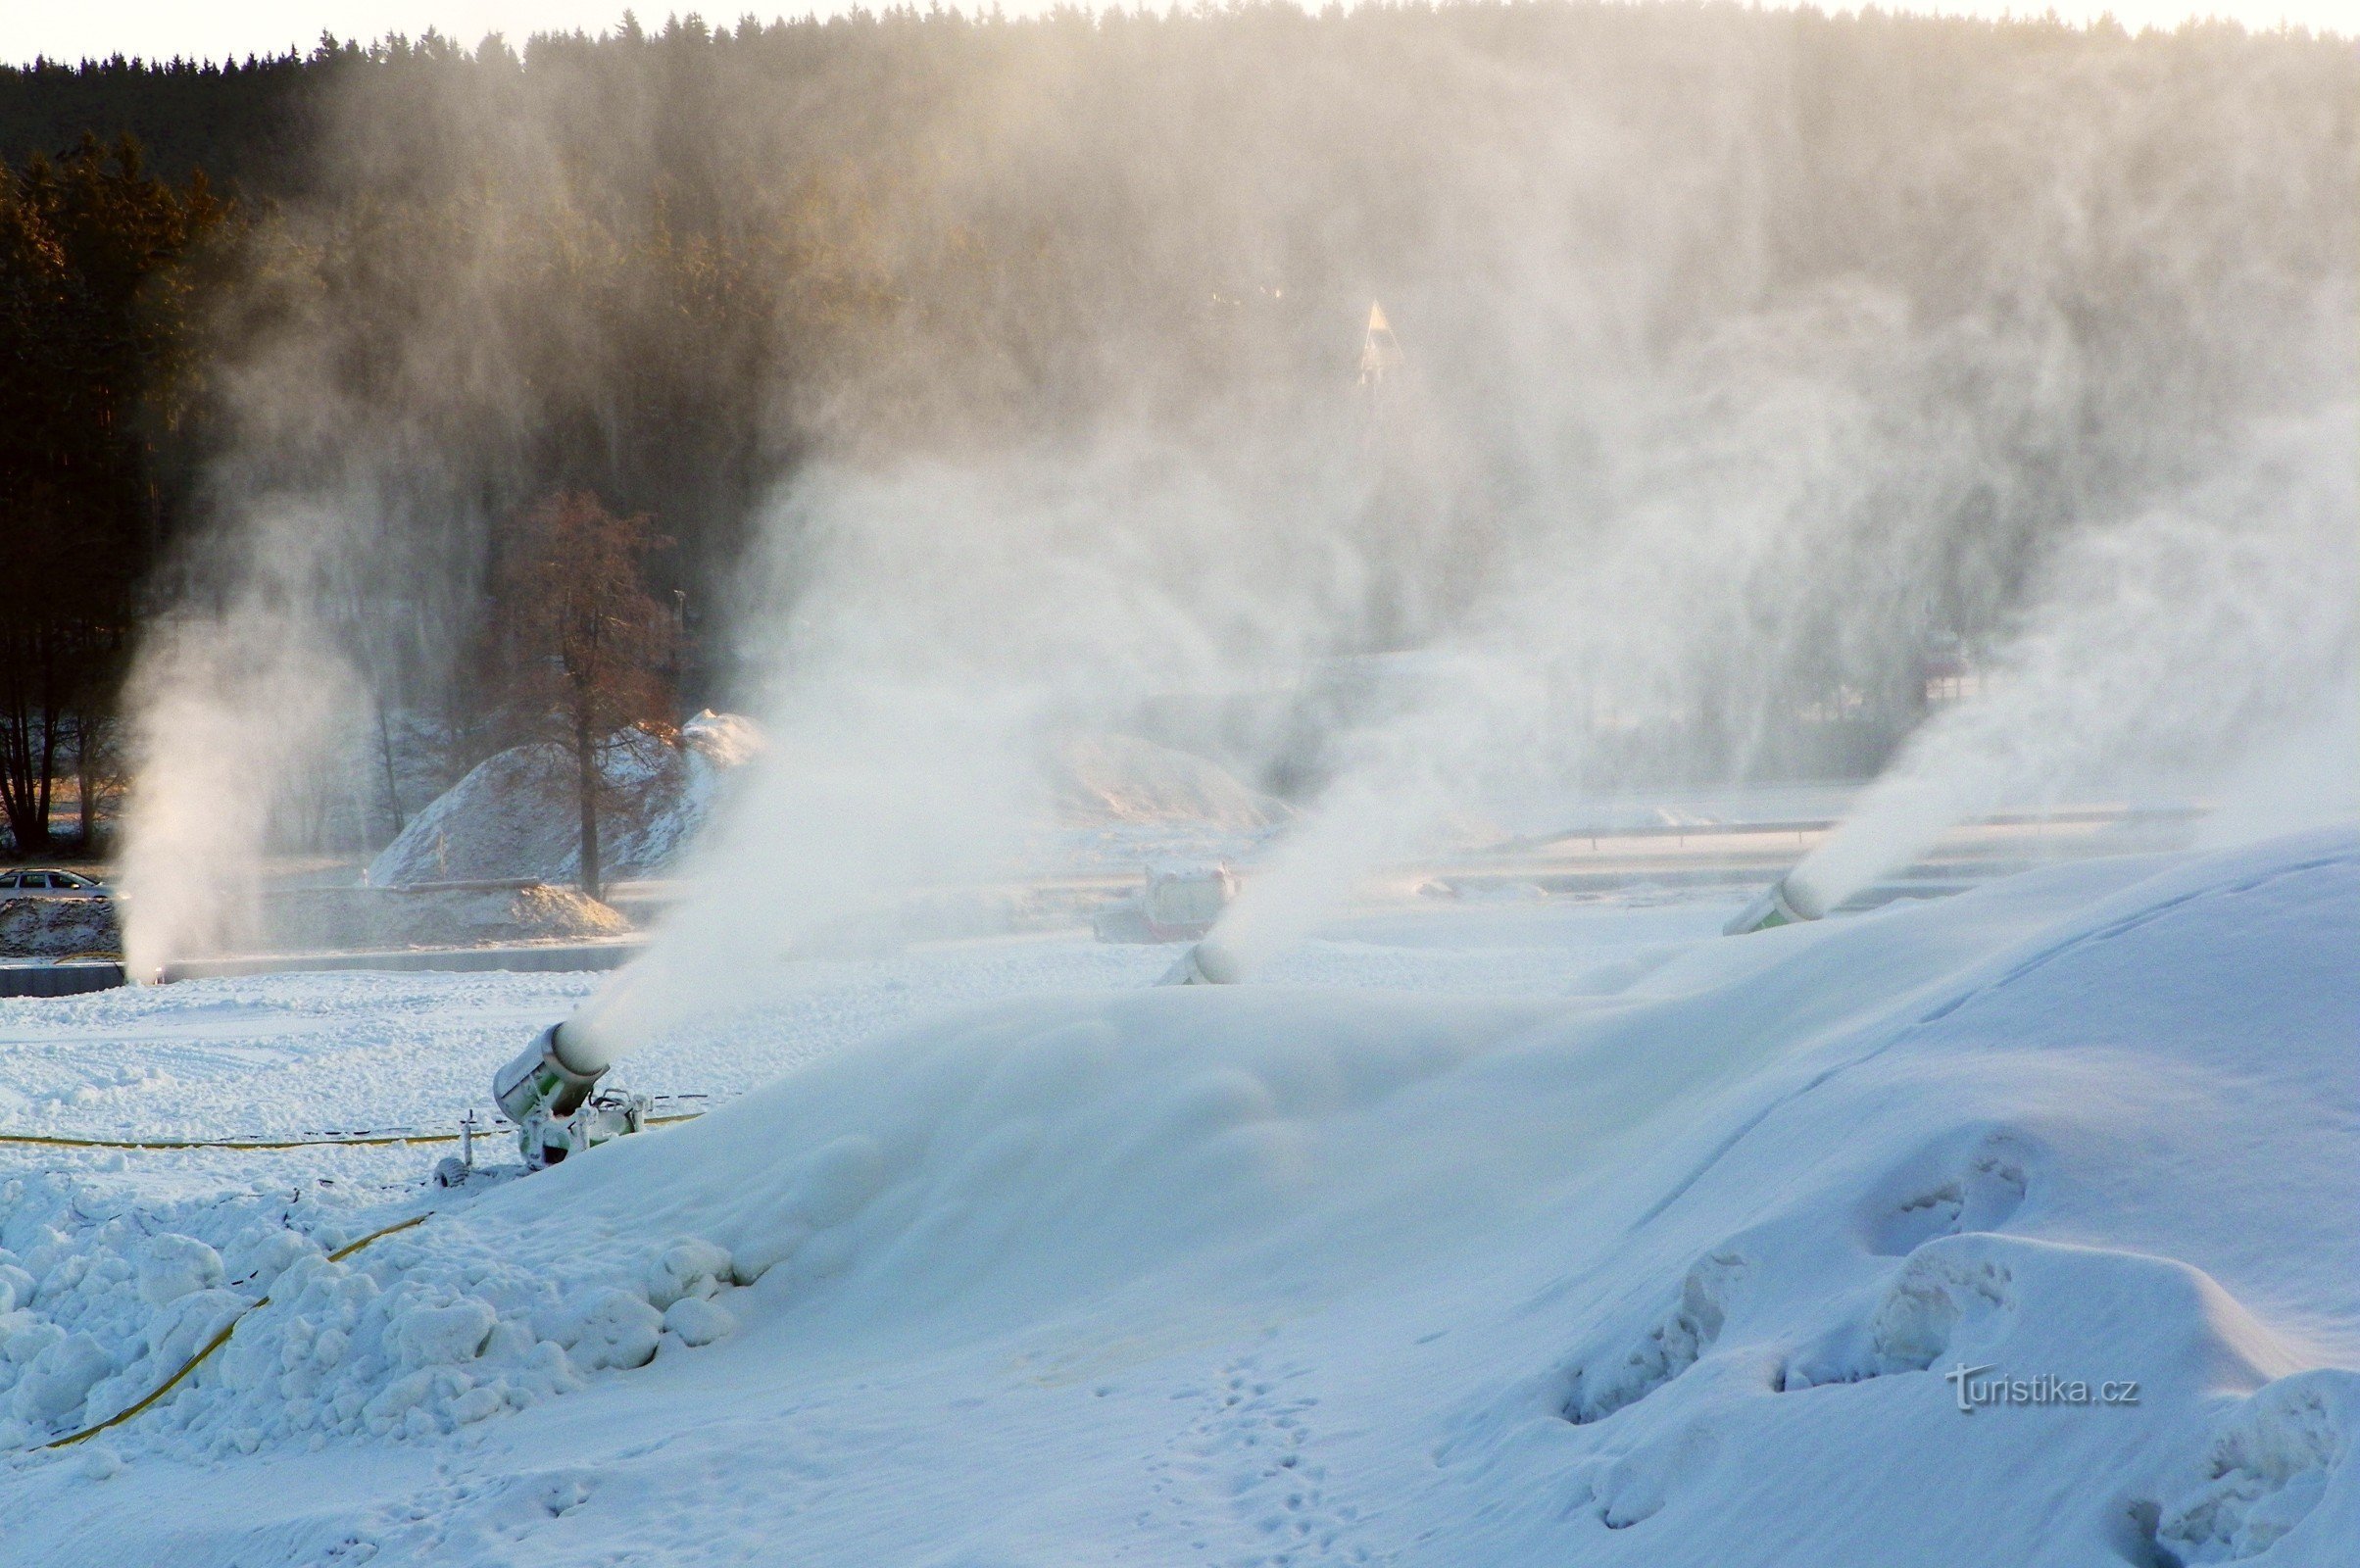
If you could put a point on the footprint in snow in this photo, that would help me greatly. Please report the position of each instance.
(1598, 1384)
(1249, 1452)
(1623, 1490)
(1949, 1192)
(1943, 1286)
(2258, 1480)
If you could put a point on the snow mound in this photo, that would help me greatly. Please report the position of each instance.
(399, 1341)
(541, 912)
(1108, 778)
(515, 815)
(726, 740)
(315, 918)
(58, 928)
(1789, 1249)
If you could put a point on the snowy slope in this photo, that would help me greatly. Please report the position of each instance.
(1663, 1267)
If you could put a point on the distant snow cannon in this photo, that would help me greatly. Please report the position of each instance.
(1178, 903)
(1784, 902)
(549, 1091)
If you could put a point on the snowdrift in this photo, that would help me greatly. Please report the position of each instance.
(1690, 1265)
(1111, 779)
(515, 815)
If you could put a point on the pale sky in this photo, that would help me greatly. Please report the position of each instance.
(70, 30)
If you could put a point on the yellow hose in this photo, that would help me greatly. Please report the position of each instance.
(332, 1140)
(223, 1338)
(337, 1256)
(53, 1142)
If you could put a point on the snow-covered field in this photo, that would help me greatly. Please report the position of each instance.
(1526, 1233)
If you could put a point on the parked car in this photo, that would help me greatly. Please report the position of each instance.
(44, 883)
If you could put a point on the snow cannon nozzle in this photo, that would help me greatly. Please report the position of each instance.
(1205, 963)
(541, 1079)
(1780, 903)
(550, 1092)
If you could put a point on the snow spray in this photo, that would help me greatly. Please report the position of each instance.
(1667, 478)
(2165, 650)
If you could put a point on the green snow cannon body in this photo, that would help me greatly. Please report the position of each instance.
(550, 1092)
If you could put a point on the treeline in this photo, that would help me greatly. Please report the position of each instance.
(2039, 272)
(100, 263)
(248, 123)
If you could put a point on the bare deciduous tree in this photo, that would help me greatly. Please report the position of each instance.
(586, 649)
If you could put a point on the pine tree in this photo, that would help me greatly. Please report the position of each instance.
(94, 308)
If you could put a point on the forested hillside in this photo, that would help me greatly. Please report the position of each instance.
(1999, 277)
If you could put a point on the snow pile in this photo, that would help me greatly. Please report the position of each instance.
(1123, 779)
(536, 914)
(725, 739)
(397, 1341)
(517, 812)
(58, 928)
(1696, 1261)
(315, 919)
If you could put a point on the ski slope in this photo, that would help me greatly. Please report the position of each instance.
(1537, 1234)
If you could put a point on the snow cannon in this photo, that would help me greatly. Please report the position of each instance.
(551, 1093)
(1206, 963)
(1781, 904)
(1177, 904)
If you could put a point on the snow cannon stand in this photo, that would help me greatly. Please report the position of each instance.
(555, 1104)
(1781, 904)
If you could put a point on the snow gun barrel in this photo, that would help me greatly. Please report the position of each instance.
(1780, 903)
(549, 1091)
(1205, 963)
(545, 1079)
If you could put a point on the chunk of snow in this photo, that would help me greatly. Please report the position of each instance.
(23, 1336)
(171, 1266)
(689, 1268)
(188, 1323)
(260, 1256)
(441, 1336)
(697, 1321)
(613, 1329)
(61, 1377)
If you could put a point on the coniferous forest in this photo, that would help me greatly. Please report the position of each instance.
(409, 287)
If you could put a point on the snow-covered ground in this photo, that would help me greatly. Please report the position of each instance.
(1555, 1231)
